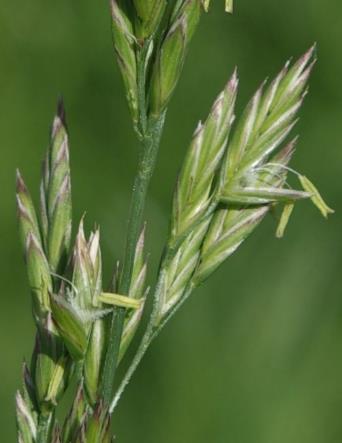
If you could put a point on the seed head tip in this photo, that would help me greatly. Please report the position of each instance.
(61, 110)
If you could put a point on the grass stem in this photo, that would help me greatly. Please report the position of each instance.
(44, 428)
(150, 131)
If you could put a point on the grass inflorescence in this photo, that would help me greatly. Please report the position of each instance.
(235, 171)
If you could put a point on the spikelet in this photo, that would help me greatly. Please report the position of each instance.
(171, 56)
(137, 292)
(56, 195)
(194, 190)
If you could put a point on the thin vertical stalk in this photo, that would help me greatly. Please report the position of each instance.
(45, 423)
(150, 131)
(152, 331)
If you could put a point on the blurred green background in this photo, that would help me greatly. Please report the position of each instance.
(256, 355)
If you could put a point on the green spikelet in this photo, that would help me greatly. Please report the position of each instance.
(194, 189)
(50, 365)
(36, 262)
(180, 270)
(56, 210)
(137, 292)
(171, 57)
(71, 326)
(149, 15)
(26, 420)
(94, 358)
(125, 44)
(232, 225)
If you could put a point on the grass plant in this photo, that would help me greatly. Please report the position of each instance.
(235, 171)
